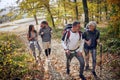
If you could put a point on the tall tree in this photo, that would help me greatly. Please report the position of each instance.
(106, 9)
(85, 7)
(76, 9)
(65, 12)
(47, 6)
(29, 6)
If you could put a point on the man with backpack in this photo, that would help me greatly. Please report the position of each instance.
(45, 33)
(91, 37)
(72, 43)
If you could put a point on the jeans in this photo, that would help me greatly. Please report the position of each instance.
(93, 52)
(34, 44)
(80, 59)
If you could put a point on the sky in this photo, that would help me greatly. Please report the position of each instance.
(7, 3)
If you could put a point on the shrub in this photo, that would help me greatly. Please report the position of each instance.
(112, 45)
(12, 63)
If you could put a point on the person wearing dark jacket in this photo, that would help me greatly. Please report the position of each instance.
(45, 33)
(91, 37)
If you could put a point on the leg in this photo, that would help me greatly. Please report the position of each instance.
(49, 47)
(46, 52)
(69, 58)
(45, 48)
(81, 61)
(39, 48)
(86, 58)
(80, 58)
(93, 52)
(49, 50)
(32, 47)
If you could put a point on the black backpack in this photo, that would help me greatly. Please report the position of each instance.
(67, 27)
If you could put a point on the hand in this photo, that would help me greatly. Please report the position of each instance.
(42, 33)
(79, 54)
(31, 38)
(67, 52)
(88, 42)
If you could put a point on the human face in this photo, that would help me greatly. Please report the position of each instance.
(76, 28)
(42, 25)
(91, 28)
(33, 28)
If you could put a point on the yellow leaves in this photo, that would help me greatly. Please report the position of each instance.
(113, 1)
(115, 18)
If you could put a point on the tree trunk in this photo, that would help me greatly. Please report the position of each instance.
(97, 11)
(106, 10)
(100, 12)
(36, 20)
(76, 9)
(52, 19)
(85, 7)
(65, 13)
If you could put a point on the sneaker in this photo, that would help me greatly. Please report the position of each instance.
(94, 73)
(82, 77)
(68, 71)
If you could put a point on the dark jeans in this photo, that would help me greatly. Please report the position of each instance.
(32, 47)
(80, 59)
(93, 52)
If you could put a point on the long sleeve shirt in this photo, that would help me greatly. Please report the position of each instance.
(75, 41)
(46, 36)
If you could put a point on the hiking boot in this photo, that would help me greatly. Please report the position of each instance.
(82, 77)
(68, 71)
(94, 73)
(87, 68)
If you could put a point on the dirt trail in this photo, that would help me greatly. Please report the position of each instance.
(55, 66)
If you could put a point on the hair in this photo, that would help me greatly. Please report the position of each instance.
(44, 22)
(75, 23)
(30, 29)
(93, 23)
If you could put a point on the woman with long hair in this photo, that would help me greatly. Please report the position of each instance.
(33, 41)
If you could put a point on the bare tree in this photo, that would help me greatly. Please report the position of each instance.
(85, 7)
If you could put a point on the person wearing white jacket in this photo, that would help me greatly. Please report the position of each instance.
(72, 43)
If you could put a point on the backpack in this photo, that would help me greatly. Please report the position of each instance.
(67, 27)
(67, 31)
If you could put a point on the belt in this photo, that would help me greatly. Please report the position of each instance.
(74, 49)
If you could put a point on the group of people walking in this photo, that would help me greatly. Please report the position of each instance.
(45, 33)
(73, 41)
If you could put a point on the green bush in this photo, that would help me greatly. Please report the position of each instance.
(112, 45)
(13, 63)
(57, 33)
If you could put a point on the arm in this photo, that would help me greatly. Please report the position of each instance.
(84, 37)
(64, 44)
(64, 41)
(98, 40)
(29, 38)
(36, 36)
(41, 32)
(50, 29)
(81, 44)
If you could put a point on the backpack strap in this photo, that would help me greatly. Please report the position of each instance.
(68, 34)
